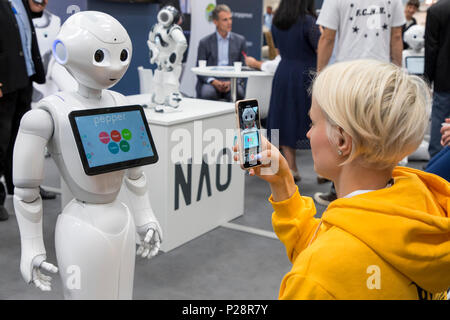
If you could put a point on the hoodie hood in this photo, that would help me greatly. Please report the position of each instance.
(407, 225)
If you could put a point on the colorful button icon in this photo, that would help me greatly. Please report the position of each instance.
(104, 137)
(126, 134)
(124, 146)
(115, 135)
(113, 148)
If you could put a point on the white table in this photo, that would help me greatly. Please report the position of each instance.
(228, 72)
(190, 199)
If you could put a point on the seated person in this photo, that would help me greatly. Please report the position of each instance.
(440, 163)
(269, 66)
(386, 236)
(221, 48)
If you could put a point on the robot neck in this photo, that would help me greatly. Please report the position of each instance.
(89, 93)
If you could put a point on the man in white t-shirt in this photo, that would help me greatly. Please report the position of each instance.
(365, 29)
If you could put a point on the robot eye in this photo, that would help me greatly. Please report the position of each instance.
(101, 58)
(99, 55)
(415, 37)
(124, 55)
(164, 17)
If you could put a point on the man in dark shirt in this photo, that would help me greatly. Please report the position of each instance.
(20, 64)
(437, 67)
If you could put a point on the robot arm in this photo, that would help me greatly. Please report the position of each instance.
(153, 46)
(178, 37)
(147, 226)
(36, 128)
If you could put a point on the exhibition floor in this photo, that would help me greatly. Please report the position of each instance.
(221, 264)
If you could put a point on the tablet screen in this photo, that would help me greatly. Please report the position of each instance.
(415, 65)
(111, 139)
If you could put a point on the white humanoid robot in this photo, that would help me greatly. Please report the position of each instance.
(415, 38)
(167, 45)
(413, 60)
(95, 235)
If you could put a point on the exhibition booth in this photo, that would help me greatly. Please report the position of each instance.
(143, 162)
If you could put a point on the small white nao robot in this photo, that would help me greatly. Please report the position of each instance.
(167, 45)
(95, 235)
(415, 38)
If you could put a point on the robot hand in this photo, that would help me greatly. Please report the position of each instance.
(151, 237)
(154, 52)
(35, 275)
(154, 56)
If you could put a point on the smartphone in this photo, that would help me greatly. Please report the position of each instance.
(249, 132)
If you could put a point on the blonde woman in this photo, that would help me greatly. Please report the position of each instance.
(387, 236)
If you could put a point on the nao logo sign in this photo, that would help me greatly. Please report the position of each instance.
(208, 11)
(184, 182)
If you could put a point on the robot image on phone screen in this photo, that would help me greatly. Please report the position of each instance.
(249, 125)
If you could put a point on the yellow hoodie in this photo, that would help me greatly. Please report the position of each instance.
(392, 243)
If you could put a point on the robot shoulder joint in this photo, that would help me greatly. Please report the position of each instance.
(38, 122)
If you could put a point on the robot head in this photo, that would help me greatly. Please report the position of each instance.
(95, 48)
(248, 116)
(168, 15)
(414, 37)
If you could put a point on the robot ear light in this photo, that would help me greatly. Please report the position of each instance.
(60, 52)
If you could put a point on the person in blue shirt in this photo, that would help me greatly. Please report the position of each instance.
(20, 65)
(221, 48)
(268, 16)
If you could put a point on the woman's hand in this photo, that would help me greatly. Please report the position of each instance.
(445, 131)
(274, 170)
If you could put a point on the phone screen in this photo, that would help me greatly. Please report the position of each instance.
(249, 125)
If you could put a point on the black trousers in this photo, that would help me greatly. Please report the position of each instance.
(13, 106)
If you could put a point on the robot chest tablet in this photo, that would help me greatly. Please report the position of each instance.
(112, 139)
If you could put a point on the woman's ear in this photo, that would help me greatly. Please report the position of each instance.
(345, 143)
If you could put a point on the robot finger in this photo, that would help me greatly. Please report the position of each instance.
(40, 285)
(140, 250)
(157, 238)
(48, 267)
(149, 235)
(45, 277)
(154, 251)
(145, 253)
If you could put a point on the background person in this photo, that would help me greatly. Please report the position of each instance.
(295, 34)
(20, 65)
(437, 68)
(269, 66)
(353, 121)
(368, 29)
(221, 48)
(440, 163)
(411, 8)
(268, 17)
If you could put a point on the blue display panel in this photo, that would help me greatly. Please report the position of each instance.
(112, 139)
